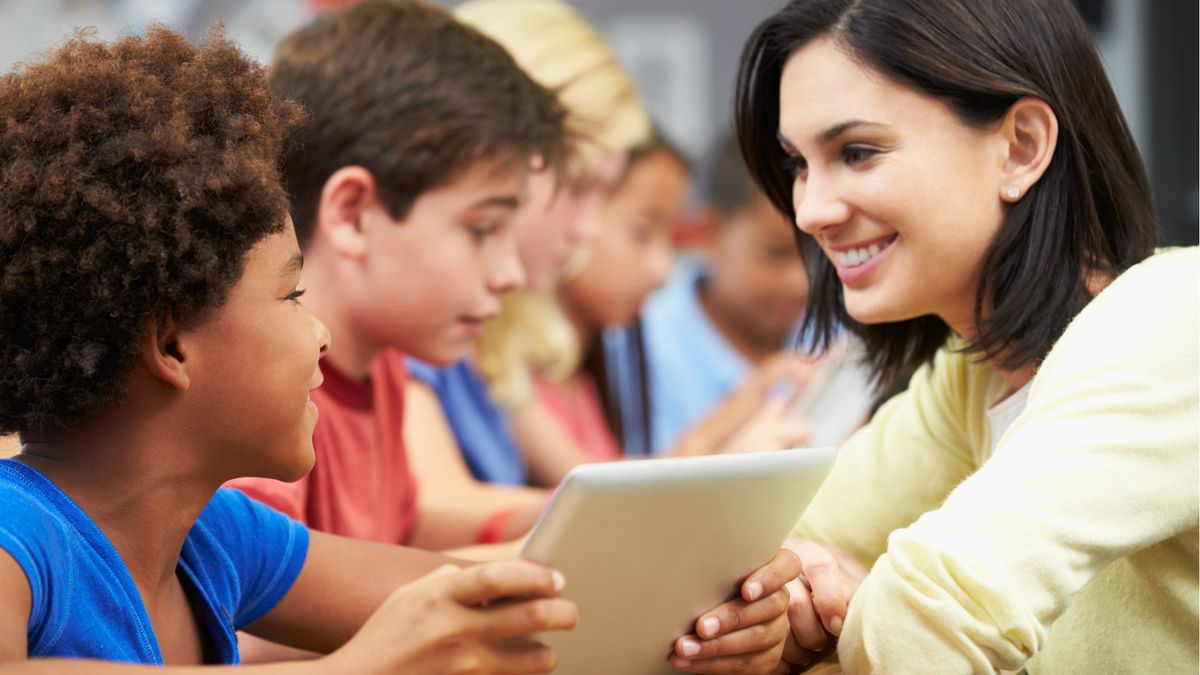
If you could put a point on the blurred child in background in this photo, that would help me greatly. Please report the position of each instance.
(587, 416)
(459, 437)
(726, 310)
(605, 120)
(628, 260)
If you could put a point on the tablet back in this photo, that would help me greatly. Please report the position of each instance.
(648, 545)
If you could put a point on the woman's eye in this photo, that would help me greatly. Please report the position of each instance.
(295, 295)
(857, 154)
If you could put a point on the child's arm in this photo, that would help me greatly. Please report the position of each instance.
(551, 450)
(455, 508)
(342, 583)
(753, 408)
(14, 609)
(347, 598)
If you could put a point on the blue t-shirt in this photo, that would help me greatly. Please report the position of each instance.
(237, 562)
(480, 427)
(691, 366)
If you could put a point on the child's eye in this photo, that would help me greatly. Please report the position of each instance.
(481, 232)
(794, 165)
(295, 295)
(857, 154)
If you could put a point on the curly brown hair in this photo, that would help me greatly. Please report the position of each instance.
(134, 178)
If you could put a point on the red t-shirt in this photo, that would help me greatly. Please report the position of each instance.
(361, 485)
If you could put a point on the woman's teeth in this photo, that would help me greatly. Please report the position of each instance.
(857, 256)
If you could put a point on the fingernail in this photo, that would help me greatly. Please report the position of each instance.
(560, 582)
(710, 626)
(753, 590)
(835, 626)
(689, 647)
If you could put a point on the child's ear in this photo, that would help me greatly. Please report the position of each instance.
(345, 198)
(1030, 129)
(165, 353)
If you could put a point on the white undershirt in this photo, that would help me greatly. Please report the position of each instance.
(1001, 416)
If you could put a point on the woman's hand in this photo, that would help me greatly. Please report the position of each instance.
(454, 620)
(819, 597)
(746, 634)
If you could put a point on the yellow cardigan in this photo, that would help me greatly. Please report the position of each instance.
(1072, 548)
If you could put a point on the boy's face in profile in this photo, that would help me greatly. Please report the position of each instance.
(435, 276)
(255, 362)
(756, 274)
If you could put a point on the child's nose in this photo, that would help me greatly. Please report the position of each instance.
(508, 275)
(324, 338)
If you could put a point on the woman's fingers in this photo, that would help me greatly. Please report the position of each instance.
(807, 629)
(823, 574)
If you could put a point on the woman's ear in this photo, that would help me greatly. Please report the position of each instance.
(1031, 130)
(345, 197)
(165, 352)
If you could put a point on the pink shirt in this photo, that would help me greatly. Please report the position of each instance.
(576, 406)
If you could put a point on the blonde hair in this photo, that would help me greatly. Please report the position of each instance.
(561, 51)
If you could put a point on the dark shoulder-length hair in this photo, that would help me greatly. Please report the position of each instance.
(1089, 213)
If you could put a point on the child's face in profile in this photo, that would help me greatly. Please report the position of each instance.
(633, 253)
(434, 277)
(558, 218)
(756, 276)
(255, 362)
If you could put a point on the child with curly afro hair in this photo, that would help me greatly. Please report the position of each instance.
(152, 347)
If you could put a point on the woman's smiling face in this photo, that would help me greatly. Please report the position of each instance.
(900, 194)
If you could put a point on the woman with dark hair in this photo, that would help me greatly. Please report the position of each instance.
(970, 203)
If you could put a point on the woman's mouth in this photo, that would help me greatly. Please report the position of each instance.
(856, 264)
(860, 255)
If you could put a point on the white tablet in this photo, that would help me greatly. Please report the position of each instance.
(646, 546)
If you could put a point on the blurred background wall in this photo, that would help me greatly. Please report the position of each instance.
(684, 54)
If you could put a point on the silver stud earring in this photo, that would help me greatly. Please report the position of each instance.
(1013, 192)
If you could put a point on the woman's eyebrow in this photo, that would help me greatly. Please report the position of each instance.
(842, 127)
